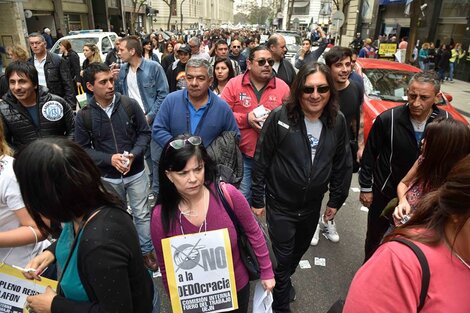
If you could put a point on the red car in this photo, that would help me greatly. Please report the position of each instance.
(385, 86)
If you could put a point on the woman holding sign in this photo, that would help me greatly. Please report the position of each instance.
(195, 272)
(98, 254)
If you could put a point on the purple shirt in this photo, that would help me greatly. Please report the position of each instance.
(217, 218)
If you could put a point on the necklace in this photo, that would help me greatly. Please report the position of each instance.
(189, 213)
(461, 260)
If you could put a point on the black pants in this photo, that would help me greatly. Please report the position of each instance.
(290, 235)
(376, 225)
(243, 299)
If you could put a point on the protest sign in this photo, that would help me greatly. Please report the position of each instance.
(200, 272)
(15, 288)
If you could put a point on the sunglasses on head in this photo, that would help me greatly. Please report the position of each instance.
(262, 62)
(320, 89)
(180, 143)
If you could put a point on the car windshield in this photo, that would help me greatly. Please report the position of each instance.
(386, 84)
(78, 43)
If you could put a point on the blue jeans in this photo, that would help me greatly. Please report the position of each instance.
(451, 70)
(152, 158)
(245, 185)
(135, 191)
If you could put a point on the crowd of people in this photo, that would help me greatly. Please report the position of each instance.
(99, 189)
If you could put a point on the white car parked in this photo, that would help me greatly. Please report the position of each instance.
(104, 41)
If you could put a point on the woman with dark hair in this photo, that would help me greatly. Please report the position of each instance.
(147, 51)
(73, 60)
(391, 281)
(168, 56)
(189, 203)
(444, 57)
(98, 254)
(445, 142)
(223, 72)
(303, 151)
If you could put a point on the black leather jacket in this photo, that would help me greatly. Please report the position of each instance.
(283, 163)
(58, 77)
(55, 119)
(391, 150)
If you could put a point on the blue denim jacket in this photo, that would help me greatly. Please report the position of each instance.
(152, 82)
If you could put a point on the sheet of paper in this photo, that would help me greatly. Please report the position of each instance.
(304, 264)
(262, 300)
(320, 261)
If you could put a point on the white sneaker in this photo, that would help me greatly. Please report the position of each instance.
(316, 236)
(329, 230)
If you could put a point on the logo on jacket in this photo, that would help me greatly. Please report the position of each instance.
(52, 111)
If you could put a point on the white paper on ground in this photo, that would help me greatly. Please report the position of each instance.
(320, 261)
(365, 209)
(354, 189)
(304, 264)
(262, 300)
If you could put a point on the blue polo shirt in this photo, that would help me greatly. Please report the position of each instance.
(195, 116)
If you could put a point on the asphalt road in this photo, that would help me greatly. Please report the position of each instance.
(319, 287)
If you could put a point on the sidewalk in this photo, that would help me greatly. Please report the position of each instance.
(460, 91)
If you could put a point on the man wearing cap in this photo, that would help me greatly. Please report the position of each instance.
(176, 72)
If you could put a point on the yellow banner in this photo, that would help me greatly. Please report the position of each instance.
(387, 49)
(15, 288)
(200, 272)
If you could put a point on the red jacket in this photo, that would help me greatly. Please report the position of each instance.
(241, 98)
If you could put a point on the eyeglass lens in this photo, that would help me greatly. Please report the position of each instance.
(320, 89)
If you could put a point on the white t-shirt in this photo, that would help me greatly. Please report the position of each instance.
(313, 132)
(133, 89)
(11, 201)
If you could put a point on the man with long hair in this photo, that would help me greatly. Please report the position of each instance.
(302, 152)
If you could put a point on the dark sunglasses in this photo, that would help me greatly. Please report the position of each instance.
(236, 47)
(262, 62)
(180, 143)
(320, 89)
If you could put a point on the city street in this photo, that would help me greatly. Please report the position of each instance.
(320, 286)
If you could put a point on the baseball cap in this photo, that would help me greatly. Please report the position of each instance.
(184, 48)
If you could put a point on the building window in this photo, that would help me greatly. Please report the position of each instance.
(455, 8)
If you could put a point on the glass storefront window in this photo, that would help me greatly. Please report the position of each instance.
(455, 8)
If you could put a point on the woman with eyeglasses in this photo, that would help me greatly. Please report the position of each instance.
(223, 72)
(98, 254)
(289, 186)
(189, 203)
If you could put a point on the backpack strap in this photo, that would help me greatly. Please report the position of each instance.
(424, 268)
(126, 104)
(85, 113)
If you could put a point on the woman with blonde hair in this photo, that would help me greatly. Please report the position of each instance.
(92, 55)
(20, 238)
(423, 56)
(16, 53)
